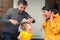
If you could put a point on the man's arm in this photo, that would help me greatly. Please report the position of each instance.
(6, 17)
(3, 21)
(29, 18)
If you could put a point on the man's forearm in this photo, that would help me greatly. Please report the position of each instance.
(4, 20)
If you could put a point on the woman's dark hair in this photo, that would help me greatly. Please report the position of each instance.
(55, 11)
(47, 7)
(22, 1)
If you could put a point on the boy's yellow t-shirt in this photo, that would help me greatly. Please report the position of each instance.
(26, 35)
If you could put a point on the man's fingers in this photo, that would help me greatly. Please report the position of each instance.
(14, 22)
(30, 19)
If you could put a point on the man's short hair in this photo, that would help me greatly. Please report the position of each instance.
(22, 1)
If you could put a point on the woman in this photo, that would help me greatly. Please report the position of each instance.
(51, 25)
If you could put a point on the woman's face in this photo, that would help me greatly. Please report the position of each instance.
(47, 13)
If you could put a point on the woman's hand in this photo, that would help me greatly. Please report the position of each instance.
(45, 18)
(52, 15)
(51, 18)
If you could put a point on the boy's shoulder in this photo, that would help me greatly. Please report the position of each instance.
(22, 31)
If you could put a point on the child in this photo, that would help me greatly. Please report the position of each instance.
(26, 34)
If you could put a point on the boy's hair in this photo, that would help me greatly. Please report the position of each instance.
(23, 25)
(22, 1)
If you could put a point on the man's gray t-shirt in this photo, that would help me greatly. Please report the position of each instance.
(13, 13)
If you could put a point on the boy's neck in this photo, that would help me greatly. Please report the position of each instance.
(28, 31)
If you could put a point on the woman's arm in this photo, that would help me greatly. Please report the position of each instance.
(55, 26)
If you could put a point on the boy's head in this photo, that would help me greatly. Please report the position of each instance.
(26, 26)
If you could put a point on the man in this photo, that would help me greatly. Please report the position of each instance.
(13, 18)
(51, 25)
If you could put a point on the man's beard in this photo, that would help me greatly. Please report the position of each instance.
(21, 11)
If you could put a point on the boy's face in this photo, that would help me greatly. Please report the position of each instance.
(29, 27)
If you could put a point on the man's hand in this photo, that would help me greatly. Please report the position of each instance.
(30, 20)
(14, 22)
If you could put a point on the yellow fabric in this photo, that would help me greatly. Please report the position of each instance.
(25, 35)
(52, 32)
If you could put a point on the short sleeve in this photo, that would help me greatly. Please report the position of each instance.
(21, 34)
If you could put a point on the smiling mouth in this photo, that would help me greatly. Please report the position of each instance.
(45, 15)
